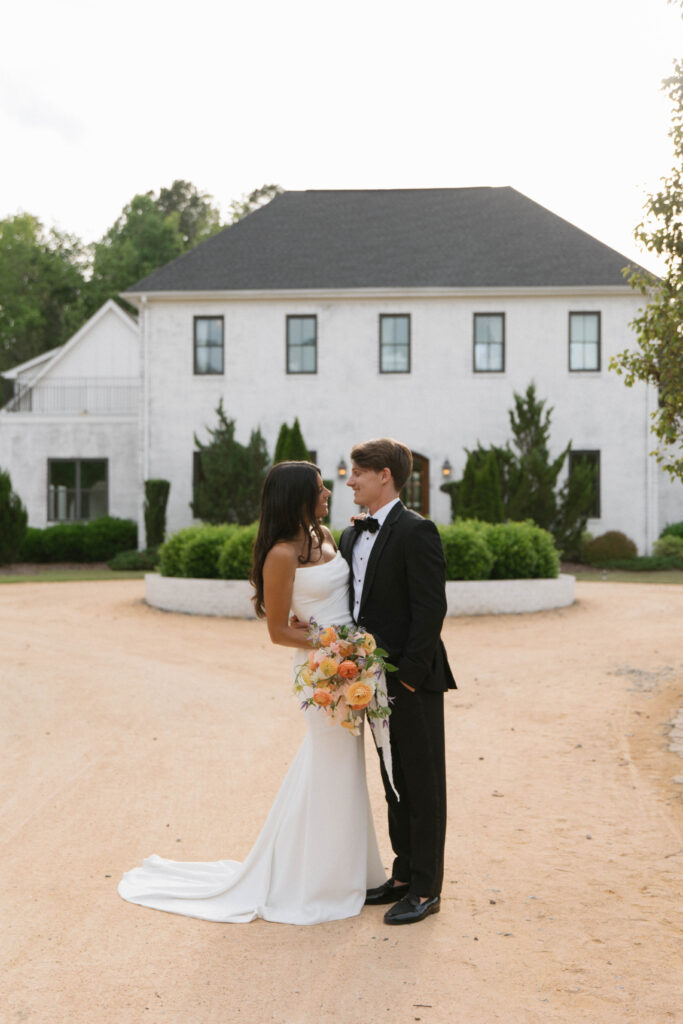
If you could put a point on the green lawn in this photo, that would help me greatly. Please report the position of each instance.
(67, 575)
(623, 576)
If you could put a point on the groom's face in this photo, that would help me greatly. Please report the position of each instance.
(368, 485)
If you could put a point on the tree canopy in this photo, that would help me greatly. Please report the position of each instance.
(658, 360)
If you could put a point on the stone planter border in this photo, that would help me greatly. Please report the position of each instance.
(231, 598)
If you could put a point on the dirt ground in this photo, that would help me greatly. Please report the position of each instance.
(128, 731)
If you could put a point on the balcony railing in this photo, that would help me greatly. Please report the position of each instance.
(99, 397)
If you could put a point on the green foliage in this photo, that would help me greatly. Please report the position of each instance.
(519, 482)
(156, 498)
(290, 446)
(171, 551)
(235, 557)
(41, 288)
(126, 561)
(659, 326)
(609, 546)
(199, 556)
(672, 530)
(106, 536)
(94, 541)
(476, 550)
(13, 519)
(232, 474)
(190, 211)
(669, 547)
(239, 208)
(479, 495)
(468, 555)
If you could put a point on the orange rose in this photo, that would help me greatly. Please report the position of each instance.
(359, 695)
(328, 636)
(348, 670)
(321, 697)
(345, 648)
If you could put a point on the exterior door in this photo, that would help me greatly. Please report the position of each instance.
(415, 494)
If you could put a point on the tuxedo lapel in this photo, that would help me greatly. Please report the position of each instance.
(377, 549)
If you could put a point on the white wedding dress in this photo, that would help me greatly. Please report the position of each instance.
(317, 851)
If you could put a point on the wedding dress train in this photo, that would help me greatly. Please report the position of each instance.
(317, 852)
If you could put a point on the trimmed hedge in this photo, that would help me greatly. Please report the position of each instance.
(645, 563)
(669, 546)
(95, 541)
(126, 561)
(609, 546)
(473, 551)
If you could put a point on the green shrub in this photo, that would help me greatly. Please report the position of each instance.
(64, 542)
(33, 546)
(514, 553)
(468, 555)
(171, 551)
(669, 546)
(156, 497)
(13, 519)
(134, 560)
(548, 564)
(234, 560)
(106, 536)
(672, 530)
(609, 546)
(199, 558)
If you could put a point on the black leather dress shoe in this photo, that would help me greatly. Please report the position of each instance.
(410, 909)
(387, 893)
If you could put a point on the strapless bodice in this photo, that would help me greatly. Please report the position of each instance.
(321, 592)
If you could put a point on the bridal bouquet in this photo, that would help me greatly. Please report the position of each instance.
(344, 676)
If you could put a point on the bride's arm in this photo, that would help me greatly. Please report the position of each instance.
(278, 581)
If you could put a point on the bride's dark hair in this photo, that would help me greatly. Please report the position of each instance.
(288, 502)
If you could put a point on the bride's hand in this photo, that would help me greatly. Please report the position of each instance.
(297, 623)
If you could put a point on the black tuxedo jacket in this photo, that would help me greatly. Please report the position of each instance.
(403, 603)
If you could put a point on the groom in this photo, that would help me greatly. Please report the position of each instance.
(397, 573)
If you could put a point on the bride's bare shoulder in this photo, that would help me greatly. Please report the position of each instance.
(281, 557)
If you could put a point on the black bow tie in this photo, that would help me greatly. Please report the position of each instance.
(366, 524)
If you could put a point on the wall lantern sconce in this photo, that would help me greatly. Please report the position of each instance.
(341, 469)
(446, 470)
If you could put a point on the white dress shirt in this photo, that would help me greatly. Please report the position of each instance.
(361, 554)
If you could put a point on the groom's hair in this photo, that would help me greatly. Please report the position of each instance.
(385, 453)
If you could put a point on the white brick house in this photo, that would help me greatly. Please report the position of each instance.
(413, 313)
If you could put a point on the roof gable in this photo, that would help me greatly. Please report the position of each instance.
(393, 238)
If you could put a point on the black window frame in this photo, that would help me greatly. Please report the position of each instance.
(584, 312)
(395, 316)
(475, 317)
(78, 489)
(208, 373)
(593, 454)
(301, 316)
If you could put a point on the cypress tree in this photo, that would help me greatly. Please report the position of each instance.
(282, 445)
(13, 520)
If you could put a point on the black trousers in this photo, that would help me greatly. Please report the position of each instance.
(417, 821)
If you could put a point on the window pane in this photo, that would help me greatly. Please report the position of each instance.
(495, 357)
(576, 355)
(301, 344)
(63, 473)
(208, 344)
(590, 356)
(395, 330)
(488, 327)
(93, 471)
(584, 327)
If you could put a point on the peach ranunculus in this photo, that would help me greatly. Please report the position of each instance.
(322, 697)
(368, 644)
(328, 668)
(348, 670)
(351, 726)
(359, 695)
(328, 636)
(344, 648)
(315, 657)
(307, 677)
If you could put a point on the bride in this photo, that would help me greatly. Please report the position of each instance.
(317, 852)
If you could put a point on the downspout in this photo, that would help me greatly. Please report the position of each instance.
(145, 420)
(651, 474)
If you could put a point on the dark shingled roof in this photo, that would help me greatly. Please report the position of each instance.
(394, 238)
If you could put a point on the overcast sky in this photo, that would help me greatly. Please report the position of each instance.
(561, 101)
